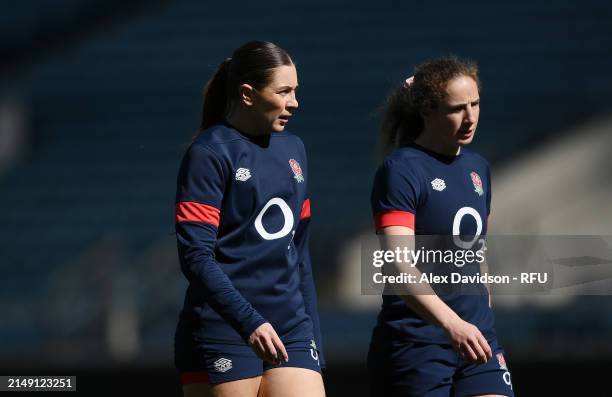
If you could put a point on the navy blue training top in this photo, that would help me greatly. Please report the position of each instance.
(242, 227)
(440, 195)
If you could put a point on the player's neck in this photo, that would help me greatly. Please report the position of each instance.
(244, 123)
(429, 142)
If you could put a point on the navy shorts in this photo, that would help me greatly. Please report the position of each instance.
(425, 369)
(216, 363)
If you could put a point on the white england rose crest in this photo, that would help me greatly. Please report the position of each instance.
(297, 170)
(477, 183)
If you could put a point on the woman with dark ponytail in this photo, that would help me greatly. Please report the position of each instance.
(430, 341)
(249, 325)
(215, 97)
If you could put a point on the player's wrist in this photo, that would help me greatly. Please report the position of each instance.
(248, 331)
(449, 321)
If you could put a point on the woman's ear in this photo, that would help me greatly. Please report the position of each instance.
(246, 94)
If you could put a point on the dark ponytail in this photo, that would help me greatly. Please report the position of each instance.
(402, 123)
(252, 64)
(402, 120)
(215, 97)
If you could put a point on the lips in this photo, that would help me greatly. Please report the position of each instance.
(284, 119)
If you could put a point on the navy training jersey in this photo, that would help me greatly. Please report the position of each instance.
(242, 226)
(440, 195)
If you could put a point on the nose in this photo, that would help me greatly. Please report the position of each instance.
(292, 103)
(470, 115)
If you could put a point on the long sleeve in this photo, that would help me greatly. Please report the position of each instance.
(200, 188)
(307, 286)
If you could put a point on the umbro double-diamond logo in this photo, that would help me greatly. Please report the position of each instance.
(438, 184)
(223, 364)
(243, 174)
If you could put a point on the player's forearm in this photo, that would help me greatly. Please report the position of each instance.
(419, 297)
(223, 297)
(201, 269)
(422, 299)
(431, 308)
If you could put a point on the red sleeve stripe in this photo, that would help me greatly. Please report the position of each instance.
(394, 218)
(305, 209)
(194, 377)
(195, 212)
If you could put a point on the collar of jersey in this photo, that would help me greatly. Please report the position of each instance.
(445, 158)
(260, 140)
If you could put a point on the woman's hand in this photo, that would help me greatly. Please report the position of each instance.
(467, 340)
(267, 345)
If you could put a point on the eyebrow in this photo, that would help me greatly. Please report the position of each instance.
(457, 105)
(284, 87)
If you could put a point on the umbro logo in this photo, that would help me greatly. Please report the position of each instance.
(438, 184)
(242, 174)
(223, 365)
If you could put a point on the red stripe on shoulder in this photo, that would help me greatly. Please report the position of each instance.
(394, 218)
(194, 377)
(305, 209)
(188, 211)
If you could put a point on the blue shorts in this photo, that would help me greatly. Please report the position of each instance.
(426, 369)
(215, 363)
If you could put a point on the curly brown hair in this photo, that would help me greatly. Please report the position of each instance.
(402, 121)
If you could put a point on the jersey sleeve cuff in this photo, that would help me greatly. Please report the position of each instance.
(394, 218)
(252, 326)
(305, 213)
(189, 211)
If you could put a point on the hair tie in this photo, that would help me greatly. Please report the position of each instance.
(409, 82)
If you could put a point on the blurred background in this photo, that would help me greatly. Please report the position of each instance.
(99, 99)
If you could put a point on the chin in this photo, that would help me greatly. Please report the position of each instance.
(278, 127)
(465, 141)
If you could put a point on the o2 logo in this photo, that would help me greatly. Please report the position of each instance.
(466, 211)
(507, 379)
(314, 353)
(287, 216)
